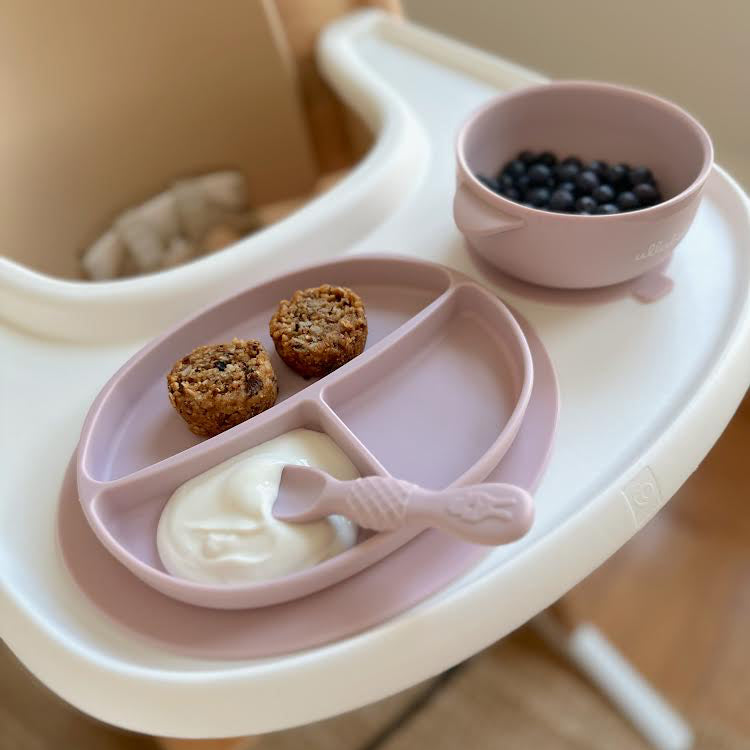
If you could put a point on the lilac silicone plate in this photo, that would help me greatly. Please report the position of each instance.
(436, 398)
(421, 567)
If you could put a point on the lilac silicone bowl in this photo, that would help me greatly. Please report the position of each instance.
(592, 121)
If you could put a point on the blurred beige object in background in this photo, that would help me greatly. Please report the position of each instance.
(101, 115)
(173, 227)
(219, 237)
(694, 53)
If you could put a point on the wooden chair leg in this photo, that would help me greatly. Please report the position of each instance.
(338, 139)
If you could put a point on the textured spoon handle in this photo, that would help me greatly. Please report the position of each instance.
(485, 513)
(378, 503)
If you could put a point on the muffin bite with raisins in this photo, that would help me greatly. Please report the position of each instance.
(219, 386)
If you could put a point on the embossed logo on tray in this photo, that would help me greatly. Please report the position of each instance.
(642, 496)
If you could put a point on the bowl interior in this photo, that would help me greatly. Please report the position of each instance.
(592, 122)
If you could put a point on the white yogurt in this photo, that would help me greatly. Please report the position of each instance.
(218, 527)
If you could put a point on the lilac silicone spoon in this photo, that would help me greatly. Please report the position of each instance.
(483, 513)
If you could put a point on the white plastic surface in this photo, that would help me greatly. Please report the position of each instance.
(646, 391)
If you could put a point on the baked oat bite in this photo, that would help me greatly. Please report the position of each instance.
(319, 329)
(218, 386)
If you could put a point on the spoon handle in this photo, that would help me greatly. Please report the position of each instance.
(484, 513)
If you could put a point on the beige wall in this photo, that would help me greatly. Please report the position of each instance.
(696, 52)
(104, 104)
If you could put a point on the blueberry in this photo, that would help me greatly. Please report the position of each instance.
(627, 201)
(639, 175)
(539, 174)
(568, 185)
(598, 167)
(514, 168)
(561, 200)
(584, 213)
(616, 175)
(574, 161)
(511, 194)
(527, 157)
(547, 158)
(523, 183)
(647, 194)
(566, 172)
(538, 197)
(489, 182)
(607, 208)
(221, 365)
(506, 181)
(586, 204)
(587, 181)
(603, 194)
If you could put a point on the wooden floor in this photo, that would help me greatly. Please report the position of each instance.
(676, 600)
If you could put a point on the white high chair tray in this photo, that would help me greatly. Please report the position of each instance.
(646, 389)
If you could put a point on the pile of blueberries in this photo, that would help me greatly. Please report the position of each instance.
(570, 186)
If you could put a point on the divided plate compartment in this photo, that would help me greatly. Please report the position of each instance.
(436, 398)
